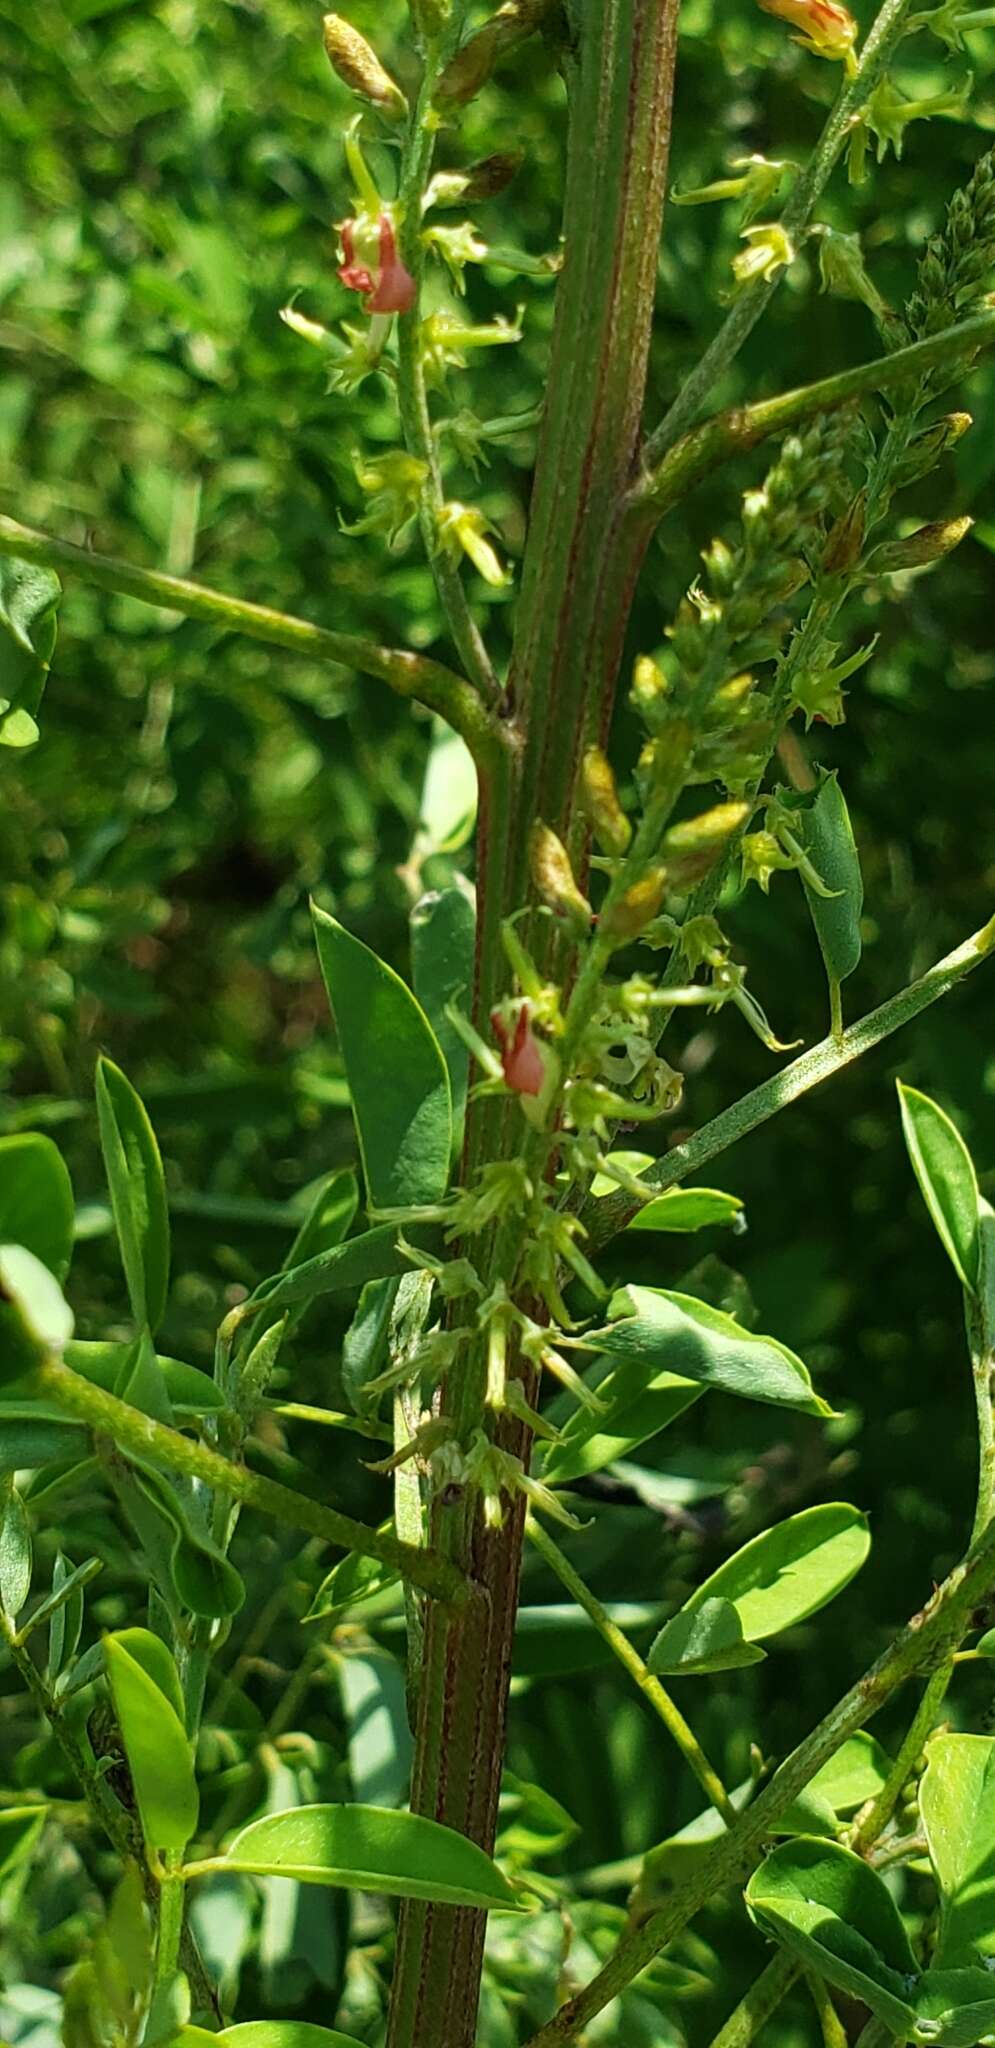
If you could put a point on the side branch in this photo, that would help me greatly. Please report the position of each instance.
(141, 1434)
(428, 682)
(612, 1212)
(731, 433)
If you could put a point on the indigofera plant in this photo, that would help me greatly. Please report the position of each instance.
(491, 1359)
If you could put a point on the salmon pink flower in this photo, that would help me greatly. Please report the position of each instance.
(827, 29)
(523, 1060)
(376, 271)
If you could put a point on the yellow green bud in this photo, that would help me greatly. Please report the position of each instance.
(634, 910)
(929, 544)
(693, 846)
(553, 876)
(599, 797)
(359, 67)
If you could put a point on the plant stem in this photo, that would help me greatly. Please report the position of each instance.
(612, 1212)
(758, 2003)
(926, 1640)
(981, 1341)
(874, 1818)
(833, 2031)
(886, 33)
(428, 682)
(659, 1699)
(733, 432)
(412, 395)
(169, 1932)
(132, 1430)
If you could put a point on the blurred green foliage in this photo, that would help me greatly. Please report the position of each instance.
(169, 175)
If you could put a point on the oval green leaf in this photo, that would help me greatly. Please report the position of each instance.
(828, 839)
(944, 1169)
(137, 1190)
(660, 1330)
(775, 1581)
(855, 1773)
(36, 1200)
(370, 1849)
(706, 1637)
(148, 1704)
(957, 1803)
(189, 1391)
(283, 2034)
(395, 1069)
(635, 1410)
(831, 1910)
(688, 1209)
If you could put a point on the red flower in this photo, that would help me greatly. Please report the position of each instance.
(390, 287)
(522, 1058)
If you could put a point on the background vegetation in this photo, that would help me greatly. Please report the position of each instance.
(168, 178)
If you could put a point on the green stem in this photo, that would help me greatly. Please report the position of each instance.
(758, 2003)
(874, 1818)
(412, 395)
(659, 1699)
(411, 675)
(886, 33)
(925, 1641)
(132, 1430)
(612, 1212)
(733, 432)
(981, 1341)
(833, 2031)
(169, 1932)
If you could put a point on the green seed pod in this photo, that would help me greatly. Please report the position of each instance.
(636, 909)
(599, 796)
(553, 876)
(359, 67)
(929, 544)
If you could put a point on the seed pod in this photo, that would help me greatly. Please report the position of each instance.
(636, 909)
(599, 796)
(553, 876)
(472, 65)
(929, 544)
(359, 67)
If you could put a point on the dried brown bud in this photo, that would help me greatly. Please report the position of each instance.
(846, 538)
(599, 796)
(553, 876)
(359, 67)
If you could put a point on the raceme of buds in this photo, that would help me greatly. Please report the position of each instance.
(918, 550)
(359, 67)
(634, 910)
(553, 876)
(599, 798)
(827, 30)
(480, 181)
(472, 65)
(371, 265)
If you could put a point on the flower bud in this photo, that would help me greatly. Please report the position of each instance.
(387, 286)
(359, 67)
(649, 687)
(553, 876)
(769, 250)
(844, 273)
(917, 550)
(463, 529)
(846, 538)
(827, 30)
(635, 909)
(928, 448)
(529, 1066)
(599, 797)
(481, 181)
(693, 846)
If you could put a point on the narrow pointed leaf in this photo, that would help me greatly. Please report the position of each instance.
(660, 1330)
(636, 1409)
(36, 1200)
(443, 933)
(20, 1828)
(372, 1256)
(827, 835)
(944, 1169)
(370, 1849)
(155, 1741)
(137, 1191)
(836, 1915)
(396, 1072)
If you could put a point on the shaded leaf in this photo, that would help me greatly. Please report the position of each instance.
(443, 934)
(854, 1774)
(944, 1169)
(20, 1828)
(827, 835)
(957, 1803)
(137, 1191)
(36, 1200)
(396, 1072)
(832, 1911)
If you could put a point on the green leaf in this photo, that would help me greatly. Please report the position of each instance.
(283, 2034)
(854, 1774)
(955, 2008)
(137, 1191)
(396, 1072)
(373, 1256)
(36, 1200)
(443, 933)
(944, 1169)
(65, 1607)
(688, 1209)
(20, 1828)
(831, 1910)
(354, 1579)
(204, 1579)
(148, 1703)
(706, 1637)
(374, 1703)
(369, 1849)
(449, 795)
(827, 836)
(660, 1330)
(364, 1345)
(15, 1551)
(635, 1410)
(189, 1391)
(957, 1803)
(27, 1441)
(29, 596)
(775, 1581)
(35, 1318)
